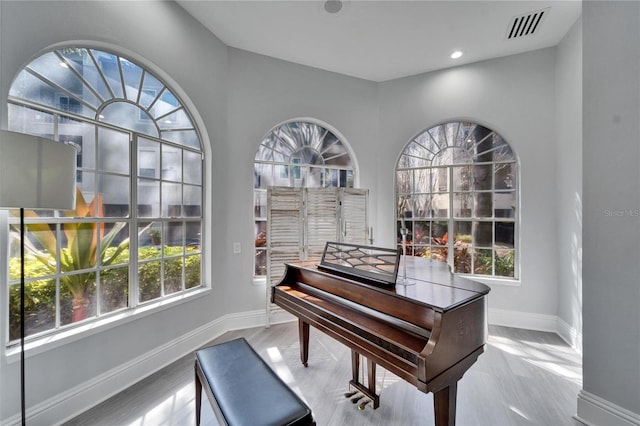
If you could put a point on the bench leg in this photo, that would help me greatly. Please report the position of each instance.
(198, 396)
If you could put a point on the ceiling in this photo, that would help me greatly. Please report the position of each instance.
(383, 40)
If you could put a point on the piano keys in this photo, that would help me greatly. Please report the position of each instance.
(428, 334)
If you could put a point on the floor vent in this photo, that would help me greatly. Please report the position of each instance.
(527, 24)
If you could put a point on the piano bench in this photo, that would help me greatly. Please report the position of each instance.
(243, 390)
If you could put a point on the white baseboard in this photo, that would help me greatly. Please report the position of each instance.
(280, 316)
(69, 404)
(526, 320)
(540, 322)
(595, 411)
(570, 334)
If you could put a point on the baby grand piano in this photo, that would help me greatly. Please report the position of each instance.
(428, 332)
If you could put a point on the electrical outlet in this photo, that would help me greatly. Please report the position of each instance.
(236, 248)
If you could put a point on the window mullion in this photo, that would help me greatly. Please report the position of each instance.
(163, 219)
(57, 297)
(493, 219)
(133, 224)
(56, 122)
(451, 226)
(98, 296)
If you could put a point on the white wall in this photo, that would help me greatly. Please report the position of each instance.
(240, 96)
(569, 184)
(611, 230)
(515, 96)
(264, 92)
(171, 43)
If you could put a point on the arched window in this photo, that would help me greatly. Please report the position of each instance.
(457, 197)
(134, 237)
(296, 154)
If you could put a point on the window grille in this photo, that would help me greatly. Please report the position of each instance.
(296, 154)
(457, 197)
(140, 186)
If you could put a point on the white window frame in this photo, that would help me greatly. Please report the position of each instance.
(424, 154)
(288, 170)
(51, 119)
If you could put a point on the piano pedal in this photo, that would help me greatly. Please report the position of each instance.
(357, 398)
(350, 394)
(362, 405)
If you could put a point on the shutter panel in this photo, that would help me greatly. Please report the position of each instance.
(321, 208)
(355, 221)
(284, 230)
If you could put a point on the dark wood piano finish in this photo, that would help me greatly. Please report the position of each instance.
(428, 333)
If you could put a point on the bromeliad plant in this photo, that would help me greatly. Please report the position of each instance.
(86, 245)
(461, 255)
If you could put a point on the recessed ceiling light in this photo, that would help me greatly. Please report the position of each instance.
(333, 6)
(456, 54)
(64, 65)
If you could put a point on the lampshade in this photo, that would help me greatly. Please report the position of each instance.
(36, 173)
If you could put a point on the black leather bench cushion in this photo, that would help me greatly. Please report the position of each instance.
(247, 390)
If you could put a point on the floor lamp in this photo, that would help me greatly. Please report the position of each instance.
(35, 173)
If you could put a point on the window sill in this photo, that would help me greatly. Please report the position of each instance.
(73, 334)
(260, 281)
(490, 281)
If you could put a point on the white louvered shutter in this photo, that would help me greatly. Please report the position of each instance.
(354, 216)
(322, 220)
(284, 230)
(300, 221)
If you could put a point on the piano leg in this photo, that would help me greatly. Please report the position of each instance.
(444, 404)
(303, 330)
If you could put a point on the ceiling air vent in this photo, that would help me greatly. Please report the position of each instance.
(527, 24)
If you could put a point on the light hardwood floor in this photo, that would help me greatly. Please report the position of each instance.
(523, 378)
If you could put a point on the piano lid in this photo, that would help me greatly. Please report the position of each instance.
(436, 287)
(422, 269)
